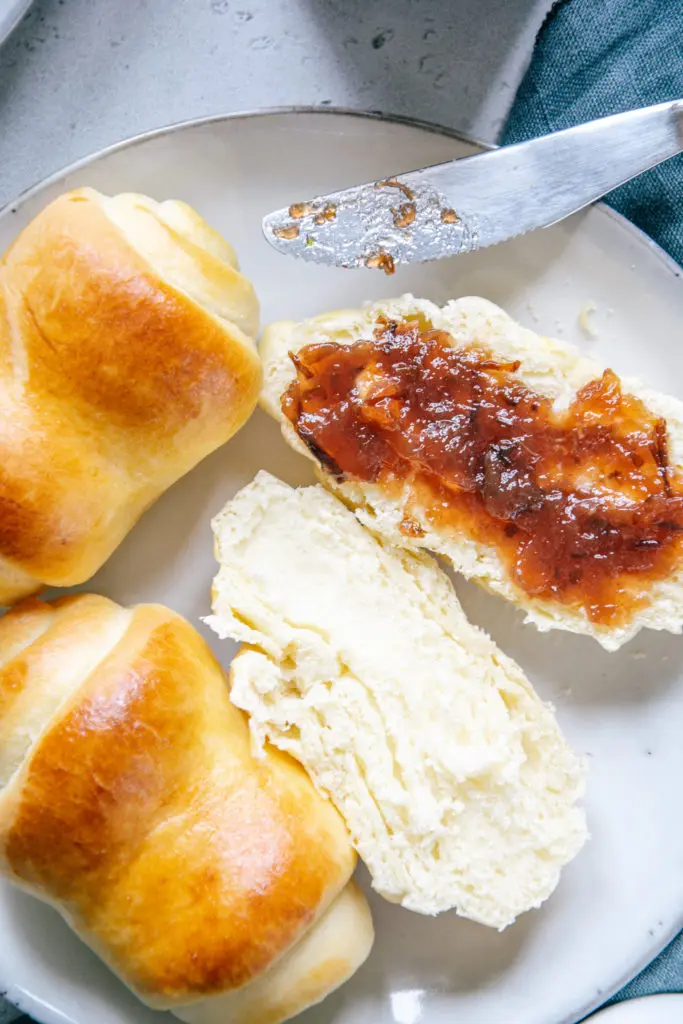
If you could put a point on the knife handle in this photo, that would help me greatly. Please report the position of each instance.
(572, 168)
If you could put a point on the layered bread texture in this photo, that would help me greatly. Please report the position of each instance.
(453, 777)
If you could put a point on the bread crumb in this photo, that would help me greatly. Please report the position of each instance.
(585, 319)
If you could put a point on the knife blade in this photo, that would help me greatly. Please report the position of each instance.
(468, 204)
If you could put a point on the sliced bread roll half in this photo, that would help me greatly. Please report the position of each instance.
(529, 467)
(453, 777)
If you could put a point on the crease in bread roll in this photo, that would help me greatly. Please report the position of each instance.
(451, 774)
(130, 801)
(551, 368)
(127, 355)
(45, 653)
(194, 263)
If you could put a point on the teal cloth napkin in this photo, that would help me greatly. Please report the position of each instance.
(593, 58)
(597, 57)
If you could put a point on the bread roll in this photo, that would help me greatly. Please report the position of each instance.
(616, 602)
(210, 881)
(126, 357)
(452, 775)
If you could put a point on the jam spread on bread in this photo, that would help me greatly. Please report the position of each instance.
(580, 502)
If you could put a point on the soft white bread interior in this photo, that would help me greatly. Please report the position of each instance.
(210, 881)
(127, 355)
(452, 775)
(551, 367)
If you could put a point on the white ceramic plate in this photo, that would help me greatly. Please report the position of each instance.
(666, 1009)
(11, 13)
(622, 899)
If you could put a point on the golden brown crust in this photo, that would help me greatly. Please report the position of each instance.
(114, 382)
(140, 812)
(325, 957)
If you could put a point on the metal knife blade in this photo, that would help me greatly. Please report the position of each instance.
(467, 204)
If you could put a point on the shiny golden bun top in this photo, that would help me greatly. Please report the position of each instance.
(130, 800)
(126, 356)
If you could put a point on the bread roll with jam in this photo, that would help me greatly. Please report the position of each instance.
(126, 356)
(453, 777)
(215, 884)
(529, 467)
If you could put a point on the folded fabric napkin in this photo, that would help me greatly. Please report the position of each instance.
(8, 1013)
(597, 57)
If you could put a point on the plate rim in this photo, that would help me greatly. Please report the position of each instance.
(12, 17)
(661, 997)
(173, 127)
(24, 1000)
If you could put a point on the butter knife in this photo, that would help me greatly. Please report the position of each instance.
(468, 204)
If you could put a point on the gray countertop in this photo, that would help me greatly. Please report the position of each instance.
(80, 74)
